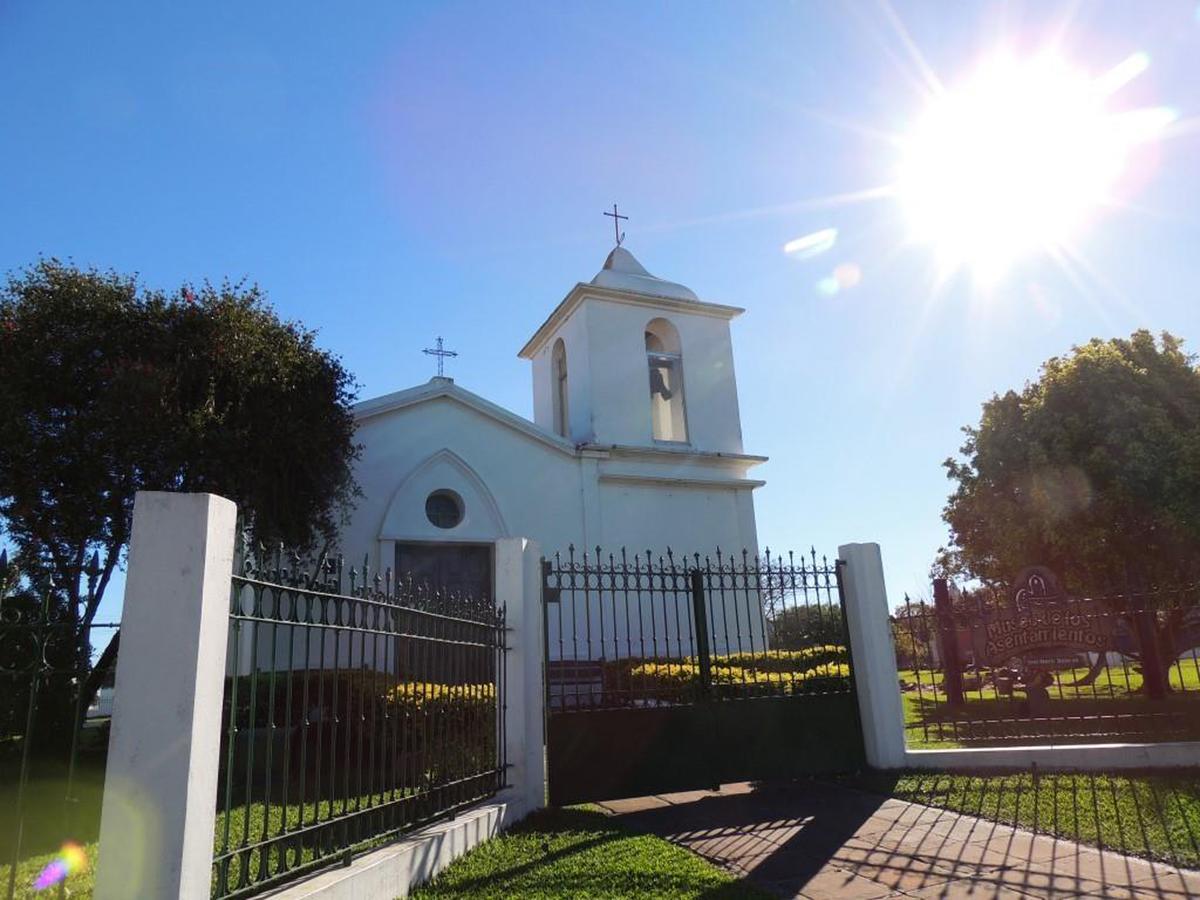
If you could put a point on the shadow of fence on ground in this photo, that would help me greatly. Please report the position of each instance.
(822, 839)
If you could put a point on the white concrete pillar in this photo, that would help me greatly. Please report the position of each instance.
(519, 589)
(874, 657)
(160, 790)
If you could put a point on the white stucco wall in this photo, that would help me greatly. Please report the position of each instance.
(609, 382)
(632, 516)
(575, 341)
(620, 399)
(515, 485)
(511, 486)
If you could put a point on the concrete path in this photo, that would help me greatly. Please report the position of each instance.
(816, 840)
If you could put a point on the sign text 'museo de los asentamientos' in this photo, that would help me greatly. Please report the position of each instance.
(1080, 625)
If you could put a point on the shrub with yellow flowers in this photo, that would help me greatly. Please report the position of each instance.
(811, 670)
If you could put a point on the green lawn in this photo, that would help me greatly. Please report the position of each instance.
(1156, 816)
(78, 885)
(580, 852)
(1110, 709)
(46, 821)
(554, 853)
(45, 827)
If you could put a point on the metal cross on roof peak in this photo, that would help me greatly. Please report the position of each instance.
(617, 217)
(441, 353)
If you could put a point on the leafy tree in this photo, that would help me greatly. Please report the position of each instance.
(108, 388)
(914, 631)
(1092, 470)
(797, 627)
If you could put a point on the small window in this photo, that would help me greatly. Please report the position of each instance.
(444, 508)
(667, 414)
(559, 374)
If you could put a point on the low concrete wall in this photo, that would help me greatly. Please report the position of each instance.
(1063, 757)
(394, 870)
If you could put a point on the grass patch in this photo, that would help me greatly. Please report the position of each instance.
(1156, 816)
(1110, 709)
(580, 852)
(49, 821)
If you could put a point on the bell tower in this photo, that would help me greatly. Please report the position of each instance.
(629, 359)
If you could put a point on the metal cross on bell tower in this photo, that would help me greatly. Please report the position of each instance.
(441, 353)
(617, 217)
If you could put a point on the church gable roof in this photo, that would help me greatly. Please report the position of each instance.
(439, 387)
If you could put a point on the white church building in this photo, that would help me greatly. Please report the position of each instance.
(635, 442)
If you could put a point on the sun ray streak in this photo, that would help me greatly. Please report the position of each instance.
(1080, 283)
(1076, 257)
(928, 77)
(901, 62)
(865, 195)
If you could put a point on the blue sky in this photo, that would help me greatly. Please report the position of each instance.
(401, 171)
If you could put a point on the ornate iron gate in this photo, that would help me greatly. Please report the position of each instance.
(675, 673)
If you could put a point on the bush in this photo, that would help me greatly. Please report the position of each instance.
(423, 733)
(803, 660)
(812, 670)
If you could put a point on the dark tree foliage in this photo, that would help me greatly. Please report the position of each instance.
(797, 627)
(1093, 470)
(108, 388)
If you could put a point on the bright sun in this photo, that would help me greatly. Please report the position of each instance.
(1017, 159)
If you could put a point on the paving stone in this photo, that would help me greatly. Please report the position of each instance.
(682, 797)
(1034, 881)
(1025, 846)
(632, 805)
(830, 884)
(814, 841)
(1111, 869)
(968, 889)
(1168, 883)
(898, 870)
(875, 826)
(733, 851)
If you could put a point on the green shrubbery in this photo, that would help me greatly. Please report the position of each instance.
(413, 734)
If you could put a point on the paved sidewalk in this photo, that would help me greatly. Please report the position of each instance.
(817, 840)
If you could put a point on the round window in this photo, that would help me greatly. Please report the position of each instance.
(444, 508)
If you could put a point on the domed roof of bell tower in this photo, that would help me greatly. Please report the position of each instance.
(623, 272)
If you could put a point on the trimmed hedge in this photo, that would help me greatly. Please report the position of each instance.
(813, 670)
(416, 733)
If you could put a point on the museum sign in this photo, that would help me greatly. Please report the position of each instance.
(1042, 627)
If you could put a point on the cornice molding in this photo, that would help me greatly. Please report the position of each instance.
(583, 291)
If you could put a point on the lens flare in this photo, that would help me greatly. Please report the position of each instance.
(843, 278)
(811, 244)
(71, 860)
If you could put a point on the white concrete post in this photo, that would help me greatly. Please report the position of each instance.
(519, 589)
(874, 657)
(160, 790)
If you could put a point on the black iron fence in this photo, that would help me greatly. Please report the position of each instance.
(357, 707)
(1035, 664)
(637, 630)
(51, 749)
